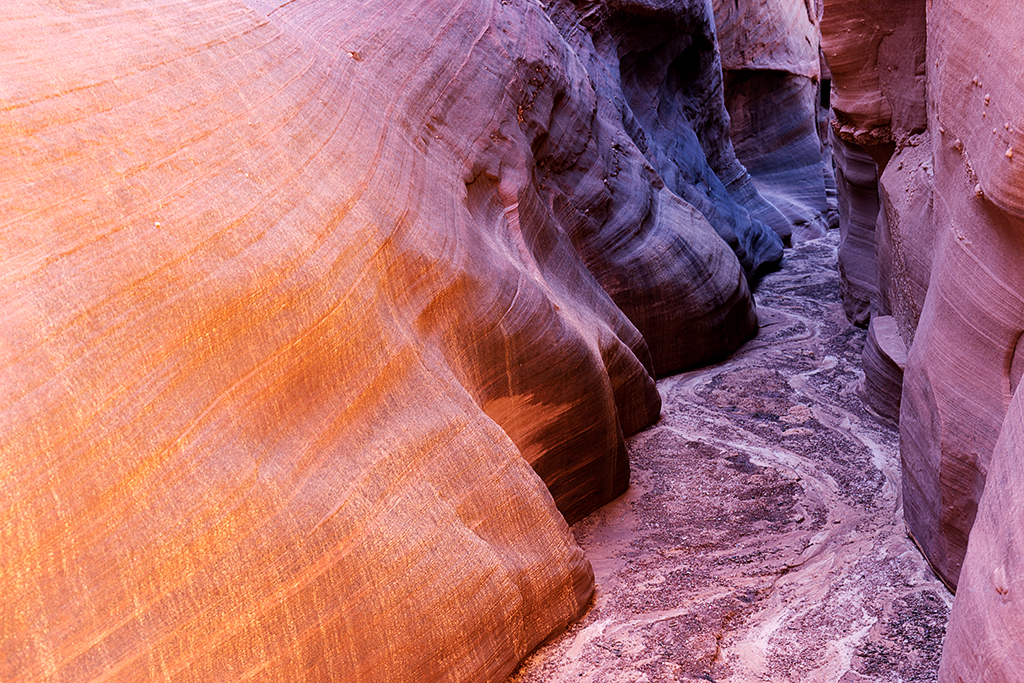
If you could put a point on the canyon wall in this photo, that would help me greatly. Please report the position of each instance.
(772, 68)
(933, 92)
(985, 636)
(875, 52)
(321, 318)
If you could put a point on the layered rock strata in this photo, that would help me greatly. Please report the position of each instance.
(660, 68)
(884, 361)
(949, 248)
(980, 179)
(857, 185)
(770, 58)
(875, 53)
(985, 636)
(961, 371)
(319, 316)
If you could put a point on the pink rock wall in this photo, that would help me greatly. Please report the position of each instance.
(904, 234)
(875, 51)
(985, 636)
(856, 174)
(320, 318)
(876, 54)
(949, 246)
(960, 371)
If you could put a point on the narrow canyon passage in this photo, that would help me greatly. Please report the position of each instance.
(762, 538)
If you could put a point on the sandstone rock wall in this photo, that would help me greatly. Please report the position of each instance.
(979, 88)
(960, 371)
(319, 316)
(986, 629)
(659, 65)
(949, 247)
(857, 185)
(770, 57)
(876, 55)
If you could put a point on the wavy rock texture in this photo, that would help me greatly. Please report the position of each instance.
(905, 235)
(950, 247)
(876, 54)
(966, 353)
(770, 59)
(761, 538)
(857, 185)
(960, 374)
(986, 629)
(885, 360)
(294, 296)
(659, 65)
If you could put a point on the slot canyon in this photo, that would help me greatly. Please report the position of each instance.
(512, 340)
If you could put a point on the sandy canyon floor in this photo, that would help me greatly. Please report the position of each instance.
(762, 537)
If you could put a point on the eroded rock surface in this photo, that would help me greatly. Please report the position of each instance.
(949, 247)
(885, 361)
(876, 54)
(857, 185)
(659, 66)
(986, 627)
(300, 298)
(761, 539)
(959, 374)
(770, 58)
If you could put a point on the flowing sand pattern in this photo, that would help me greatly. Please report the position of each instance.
(762, 538)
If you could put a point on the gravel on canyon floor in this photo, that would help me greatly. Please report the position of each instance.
(762, 537)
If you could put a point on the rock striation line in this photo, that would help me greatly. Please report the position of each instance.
(932, 92)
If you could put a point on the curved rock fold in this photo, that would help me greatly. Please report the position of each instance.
(320, 318)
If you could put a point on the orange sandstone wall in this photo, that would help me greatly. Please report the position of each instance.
(319, 318)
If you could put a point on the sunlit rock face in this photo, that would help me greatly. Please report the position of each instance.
(770, 58)
(319, 316)
(949, 245)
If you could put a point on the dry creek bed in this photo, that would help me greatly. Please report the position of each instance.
(762, 537)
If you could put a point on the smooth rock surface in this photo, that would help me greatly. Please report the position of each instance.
(857, 184)
(775, 133)
(986, 627)
(905, 235)
(961, 370)
(876, 54)
(761, 538)
(885, 359)
(317, 318)
(660, 68)
(770, 58)
(950, 244)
